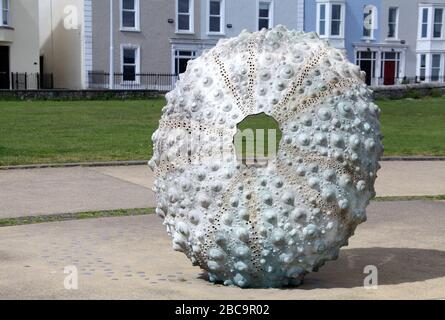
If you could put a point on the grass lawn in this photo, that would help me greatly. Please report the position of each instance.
(78, 131)
(413, 127)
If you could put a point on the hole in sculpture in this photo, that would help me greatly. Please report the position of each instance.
(257, 140)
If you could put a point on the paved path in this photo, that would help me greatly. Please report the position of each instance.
(131, 257)
(63, 190)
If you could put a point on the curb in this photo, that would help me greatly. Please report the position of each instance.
(145, 162)
(81, 164)
(414, 158)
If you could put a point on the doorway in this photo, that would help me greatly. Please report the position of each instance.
(4, 67)
(366, 60)
(390, 67)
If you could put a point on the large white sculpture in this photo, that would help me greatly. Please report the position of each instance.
(254, 226)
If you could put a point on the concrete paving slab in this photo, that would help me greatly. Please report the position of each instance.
(411, 178)
(131, 257)
(66, 190)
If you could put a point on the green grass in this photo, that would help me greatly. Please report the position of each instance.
(249, 136)
(410, 198)
(8, 222)
(79, 131)
(76, 131)
(413, 127)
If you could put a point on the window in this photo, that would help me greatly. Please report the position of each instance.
(264, 15)
(336, 20)
(393, 17)
(424, 32)
(184, 11)
(422, 67)
(322, 20)
(4, 13)
(181, 59)
(330, 19)
(435, 67)
(129, 15)
(216, 11)
(438, 18)
(369, 17)
(130, 63)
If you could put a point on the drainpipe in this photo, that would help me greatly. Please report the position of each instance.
(111, 84)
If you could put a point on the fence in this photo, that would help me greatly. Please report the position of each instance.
(139, 81)
(386, 81)
(29, 81)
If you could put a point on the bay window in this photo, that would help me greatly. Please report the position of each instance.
(322, 20)
(422, 67)
(435, 67)
(336, 20)
(438, 23)
(424, 23)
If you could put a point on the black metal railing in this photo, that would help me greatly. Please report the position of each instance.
(387, 81)
(30, 81)
(139, 81)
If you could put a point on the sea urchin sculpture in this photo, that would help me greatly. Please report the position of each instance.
(266, 226)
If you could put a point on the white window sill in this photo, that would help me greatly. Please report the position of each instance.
(211, 33)
(333, 37)
(368, 39)
(130, 29)
(392, 40)
(184, 32)
(431, 39)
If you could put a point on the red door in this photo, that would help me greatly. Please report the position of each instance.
(390, 71)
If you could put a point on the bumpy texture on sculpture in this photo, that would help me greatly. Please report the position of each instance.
(267, 226)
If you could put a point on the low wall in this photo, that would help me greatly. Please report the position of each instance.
(63, 94)
(380, 92)
(409, 91)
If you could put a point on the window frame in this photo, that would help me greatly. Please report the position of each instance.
(438, 68)
(271, 13)
(423, 24)
(324, 20)
(137, 15)
(373, 59)
(374, 17)
(8, 14)
(191, 15)
(395, 23)
(328, 19)
(137, 63)
(422, 66)
(434, 23)
(176, 56)
(222, 11)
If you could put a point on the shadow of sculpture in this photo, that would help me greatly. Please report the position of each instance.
(394, 266)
